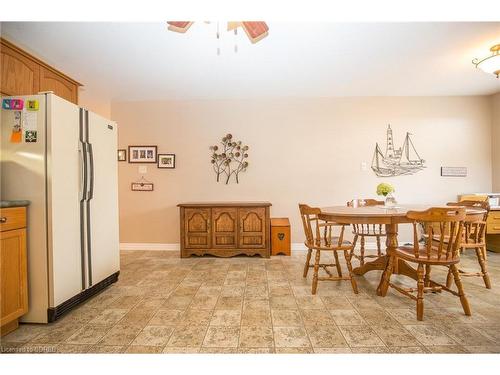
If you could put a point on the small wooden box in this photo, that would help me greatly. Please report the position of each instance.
(281, 242)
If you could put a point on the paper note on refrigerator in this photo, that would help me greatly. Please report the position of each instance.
(16, 134)
(30, 120)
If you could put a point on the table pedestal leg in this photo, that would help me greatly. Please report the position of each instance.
(391, 243)
(400, 266)
(375, 265)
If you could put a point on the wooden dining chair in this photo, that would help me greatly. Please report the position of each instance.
(362, 231)
(320, 237)
(474, 237)
(433, 250)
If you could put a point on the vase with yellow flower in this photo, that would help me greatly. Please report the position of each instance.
(387, 191)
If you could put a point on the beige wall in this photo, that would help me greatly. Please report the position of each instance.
(94, 104)
(495, 138)
(301, 150)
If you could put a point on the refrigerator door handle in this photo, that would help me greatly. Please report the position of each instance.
(82, 150)
(91, 172)
(83, 200)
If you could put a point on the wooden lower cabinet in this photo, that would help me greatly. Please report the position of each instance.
(253, 225)
(13, 268)
(225, 229)
(197, 230)
(493, 231)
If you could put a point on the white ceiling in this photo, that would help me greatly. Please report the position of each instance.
(144, 61)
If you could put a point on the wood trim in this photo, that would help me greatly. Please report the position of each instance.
(225, 204)
(37, 60)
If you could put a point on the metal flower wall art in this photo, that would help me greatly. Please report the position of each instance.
(229, 159)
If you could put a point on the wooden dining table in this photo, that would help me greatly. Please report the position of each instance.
(391, 217)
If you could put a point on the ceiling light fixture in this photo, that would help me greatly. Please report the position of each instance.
(490, 64)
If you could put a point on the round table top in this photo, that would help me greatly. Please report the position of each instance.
(377, 214)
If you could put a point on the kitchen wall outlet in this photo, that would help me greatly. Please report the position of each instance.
(143, 169)
(364, 166)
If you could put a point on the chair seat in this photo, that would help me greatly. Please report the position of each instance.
(408, 253)
(324, 246)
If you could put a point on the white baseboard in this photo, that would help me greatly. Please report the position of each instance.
(149, 246)
(296, 246)
(300, 246)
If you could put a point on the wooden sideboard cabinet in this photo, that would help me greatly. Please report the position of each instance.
(13, 267)
(24, 74)
(493, 231)
(225, 229)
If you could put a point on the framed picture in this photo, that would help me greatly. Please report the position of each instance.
(142, 154)
(166, 160)
(122, 155)
(142, 186)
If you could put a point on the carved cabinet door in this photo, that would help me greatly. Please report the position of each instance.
(19, 75)
(224, 227)
(197, 228)
(252, 227)
(49, 81)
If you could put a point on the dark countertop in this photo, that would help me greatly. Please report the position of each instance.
(7, 204)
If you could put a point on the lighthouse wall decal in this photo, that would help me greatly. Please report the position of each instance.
(396, 162)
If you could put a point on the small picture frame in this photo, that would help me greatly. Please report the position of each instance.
(142, 186)
(454, 171)
(166, 161)
(122, 155)
(142, 154)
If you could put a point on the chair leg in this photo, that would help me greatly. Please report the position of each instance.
(315, 273)
(354, 242)
(480, 252)
(337, 264)
(449, 278)
(458, 282)
(306, 266)
(386, 276)
(362, 251)
(420, 292)
(379, 247)
(427, 278)
(347, 256)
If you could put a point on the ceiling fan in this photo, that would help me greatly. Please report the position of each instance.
(255, 30)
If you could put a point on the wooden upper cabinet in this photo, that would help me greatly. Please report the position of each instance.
(24, 74)
(50, 81)
(20, 75)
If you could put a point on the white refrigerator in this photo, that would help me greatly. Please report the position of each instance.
(65, 163)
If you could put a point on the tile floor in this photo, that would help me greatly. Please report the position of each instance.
(163, 304)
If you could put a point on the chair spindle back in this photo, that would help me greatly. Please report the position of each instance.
(312, 227)
(443, 231)
(368, 229)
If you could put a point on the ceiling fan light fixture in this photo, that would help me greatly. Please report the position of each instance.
(490, 64)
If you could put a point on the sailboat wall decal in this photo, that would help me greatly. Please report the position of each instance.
(396, 162)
